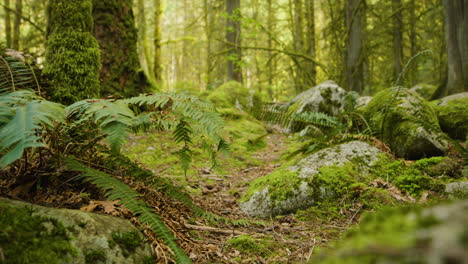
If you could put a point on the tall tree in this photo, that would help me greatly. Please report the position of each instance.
(114, 29)
(157, 41)
(6, 4)
(233, 38)
(311, 67)
(354, 45)
(17, 24)
(72, 54)
(397, 9)
(299, 45)
(456, 34)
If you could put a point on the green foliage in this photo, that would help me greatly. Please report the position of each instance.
(250, 245)
(16, 72)
(29, 238)
(116, 190)
(72, 54)
(23, 116)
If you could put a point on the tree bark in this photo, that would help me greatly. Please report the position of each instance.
(114, 29)
(7, 23)
(17, 24)
(354, 45)
(413, 41)
(299, 45)
(311, 67)
(397, 38)
(233, 36)
(157, 42)
(456, 34)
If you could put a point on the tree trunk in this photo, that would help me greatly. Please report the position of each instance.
(157, 42)
(233, 37)
(456, 34)
(17, 25)
(143, 51)
(72, 53)
(413, 42)
(299, 46)
(397, 38)
(7, 23)
(114, 29)
(311, 67)
(271, 20)
(354, 45)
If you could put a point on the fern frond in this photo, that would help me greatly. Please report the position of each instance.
(16, 72)
(114, 118)
(22, 115)
(117, 190)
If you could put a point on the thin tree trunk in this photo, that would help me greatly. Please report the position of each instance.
(233, 37)
(207, 20)
(271, 18)
(157, 42)
(397, 37)
(354, 57)
(457, 46)
(311, 69)
(142, 40)
(7, 23)
(299, 45)
(17, 25)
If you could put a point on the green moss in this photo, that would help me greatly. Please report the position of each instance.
(396, 118)
(72, 54)
(281, 183)
(425, 90)
(453, 118)
(128, 241)
(250, 245)
(233, 94)
(28, 238)
(95, 256)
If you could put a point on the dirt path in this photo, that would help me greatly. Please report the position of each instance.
(292, 241)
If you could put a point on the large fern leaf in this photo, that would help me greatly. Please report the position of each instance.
(16, 72)
(22, 115)
(117, 190)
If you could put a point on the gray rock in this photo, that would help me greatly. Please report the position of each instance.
(363, 101)
(292, 187)
(326, 97)
(456, 187)
(407, 123)
(445, 100)
(91, 236)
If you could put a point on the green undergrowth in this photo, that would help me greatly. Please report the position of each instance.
(157, 150)
(29, 238)
(404, 234)
(246, 244)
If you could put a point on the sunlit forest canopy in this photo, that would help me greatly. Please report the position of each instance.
(286, 45)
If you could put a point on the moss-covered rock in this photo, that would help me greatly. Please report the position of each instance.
(250, 245)
(405, 235)
(36, 234)
(234, 94)
(425, 90)
(72, 53)
(407, 123)
(297, 185)
(452, 112)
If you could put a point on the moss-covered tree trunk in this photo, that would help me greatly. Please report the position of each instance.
(114, 28)
(72, 53)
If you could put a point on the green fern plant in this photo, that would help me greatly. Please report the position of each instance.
(23, 117)
(117, 190)
(17, 72)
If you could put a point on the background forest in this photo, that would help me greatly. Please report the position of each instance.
(233, 131)
(278, 48)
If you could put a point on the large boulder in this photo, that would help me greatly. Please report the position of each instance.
(452, 112)
(298, 185)
(436, 234)
(327, 97)
(407, 123)
(35, 234)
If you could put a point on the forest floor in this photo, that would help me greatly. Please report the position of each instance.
(285, 239)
